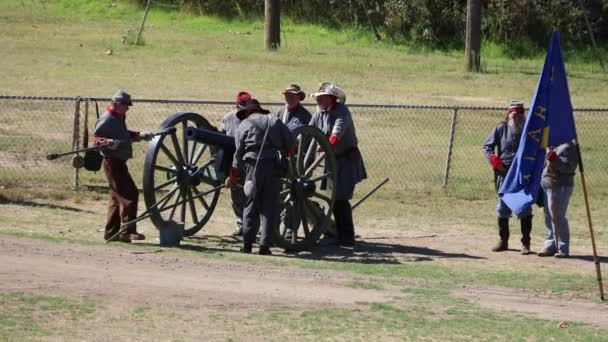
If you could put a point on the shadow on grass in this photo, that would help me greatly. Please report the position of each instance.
(26, 203)
(365, 252)
(603, 259)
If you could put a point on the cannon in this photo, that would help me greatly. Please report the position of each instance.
(184, 172)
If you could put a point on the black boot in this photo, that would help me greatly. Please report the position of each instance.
(344, 223)
(526, 228)
(503, 232)
(264, 250)
(246, 248)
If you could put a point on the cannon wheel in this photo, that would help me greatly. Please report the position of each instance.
(177, 173)
(308, 190)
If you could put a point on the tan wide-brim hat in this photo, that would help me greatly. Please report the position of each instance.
(327, 88)
(295, 89)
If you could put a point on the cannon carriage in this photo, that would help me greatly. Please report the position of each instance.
(184, 172)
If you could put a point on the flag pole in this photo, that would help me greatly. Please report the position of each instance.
(596, 260)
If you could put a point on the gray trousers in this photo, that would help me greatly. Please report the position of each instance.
(237, 199)
(265, 204)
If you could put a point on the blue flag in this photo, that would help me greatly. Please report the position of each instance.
(550, 122)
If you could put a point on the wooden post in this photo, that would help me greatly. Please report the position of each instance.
(272, 24)
(472, 51)
(448, 159)
(590, 30)
(76, 137)
(143, 21)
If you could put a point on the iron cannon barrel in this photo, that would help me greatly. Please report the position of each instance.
(211, 138)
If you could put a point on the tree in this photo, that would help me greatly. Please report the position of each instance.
(472, 50)
(272, 24)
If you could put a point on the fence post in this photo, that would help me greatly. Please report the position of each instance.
(76, 137)
(450, 146)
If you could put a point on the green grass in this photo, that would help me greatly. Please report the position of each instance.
(428, 312)
(26, 317)
(202, 57)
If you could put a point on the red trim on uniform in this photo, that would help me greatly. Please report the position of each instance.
(114, 113)
(551, 156)
(495, 161)
(333, 140)
(234, 173)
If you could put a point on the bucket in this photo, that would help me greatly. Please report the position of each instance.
(170, 234)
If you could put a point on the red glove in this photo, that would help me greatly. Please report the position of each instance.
(551, 156)
(495, 161)
(333, 140)
(233, 179)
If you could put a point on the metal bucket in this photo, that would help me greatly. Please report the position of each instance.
(171, 234)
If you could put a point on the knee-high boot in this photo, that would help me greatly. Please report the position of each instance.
(503, 232)
(526, 228)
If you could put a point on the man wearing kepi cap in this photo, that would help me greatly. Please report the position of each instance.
(499, 149)
(335, 120)
(259, 140)
(111, 128)
(294, 115)
(228, 126)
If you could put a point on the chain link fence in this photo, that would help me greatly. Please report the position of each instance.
(420, 148)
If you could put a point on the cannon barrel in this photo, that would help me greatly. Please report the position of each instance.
(211, 138)
(224, 146)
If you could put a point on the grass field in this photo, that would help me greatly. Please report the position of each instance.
(423, 245)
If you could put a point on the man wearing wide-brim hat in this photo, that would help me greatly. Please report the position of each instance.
(335, 120)
(294, 115)
(259, 140)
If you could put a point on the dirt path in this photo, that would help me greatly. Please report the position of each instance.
(132, 276)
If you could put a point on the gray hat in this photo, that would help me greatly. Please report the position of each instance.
(332, 89)
(122, 97)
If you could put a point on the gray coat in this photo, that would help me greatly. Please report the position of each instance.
(114, 127)
(250, 135)
(561, 171)
(229, 123)
(351, 169)
(300, 116)
(502, 140)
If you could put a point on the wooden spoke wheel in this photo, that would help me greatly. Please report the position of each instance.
(180, 177)
(308, 192)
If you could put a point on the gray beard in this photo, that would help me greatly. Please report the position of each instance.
(515, 128)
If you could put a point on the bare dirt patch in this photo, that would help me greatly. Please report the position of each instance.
(128, 276)
(536, 305)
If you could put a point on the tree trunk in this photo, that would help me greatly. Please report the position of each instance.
(472, 52)
(272, 24)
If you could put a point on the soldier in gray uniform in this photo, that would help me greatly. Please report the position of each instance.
(558, 184)
(260, 138)
(111, 128)
(294, 115)
(229, 126)
(504, 138)
(335, 120)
